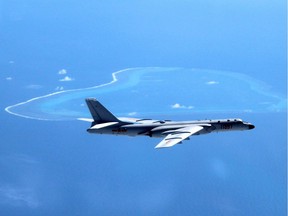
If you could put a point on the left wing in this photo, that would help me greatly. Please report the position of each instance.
(176, 136)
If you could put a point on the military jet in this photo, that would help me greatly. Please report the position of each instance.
(174, 132)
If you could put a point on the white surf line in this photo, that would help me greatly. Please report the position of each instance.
(114, 79)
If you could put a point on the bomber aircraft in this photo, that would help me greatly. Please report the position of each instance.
(174, 132)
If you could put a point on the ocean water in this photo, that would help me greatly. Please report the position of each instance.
(156, 90)
(53, 167)
(237, 173)
(186, 60)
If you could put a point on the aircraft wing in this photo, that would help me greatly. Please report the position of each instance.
(176, 136)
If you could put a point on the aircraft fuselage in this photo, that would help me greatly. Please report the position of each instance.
(104, 122)
(159, 128)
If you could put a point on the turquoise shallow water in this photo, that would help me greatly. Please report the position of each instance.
(157, 90)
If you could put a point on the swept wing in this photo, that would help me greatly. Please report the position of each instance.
(176, 136)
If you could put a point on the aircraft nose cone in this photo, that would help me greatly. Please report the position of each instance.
(251, 126)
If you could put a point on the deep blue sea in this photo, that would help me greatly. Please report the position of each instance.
(182, 60)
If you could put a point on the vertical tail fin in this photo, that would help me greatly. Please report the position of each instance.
(99, 113)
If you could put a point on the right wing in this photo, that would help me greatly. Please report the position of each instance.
(176, 136)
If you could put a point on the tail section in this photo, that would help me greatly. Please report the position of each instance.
(99, 113)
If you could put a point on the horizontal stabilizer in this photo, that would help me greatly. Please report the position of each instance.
(103, 125)
(85, 119)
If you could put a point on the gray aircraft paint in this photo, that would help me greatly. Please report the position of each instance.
(104, 122)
